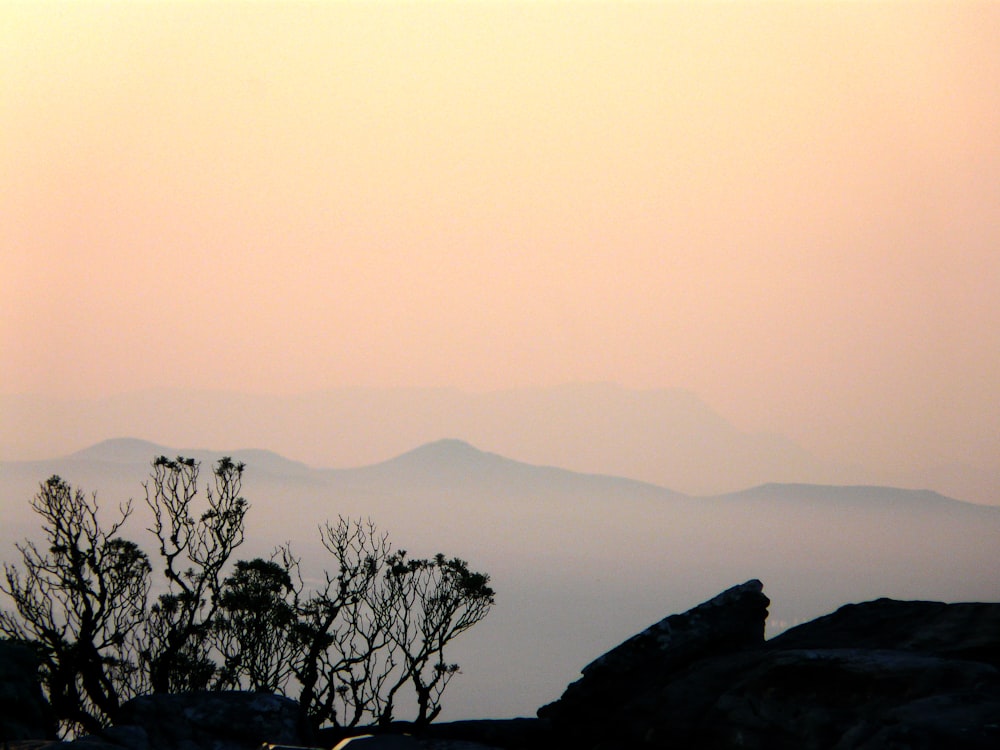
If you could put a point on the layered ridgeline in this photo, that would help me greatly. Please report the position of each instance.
(668, 436)
(579, 561)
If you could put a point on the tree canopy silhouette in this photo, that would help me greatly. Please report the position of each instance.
(380, 622)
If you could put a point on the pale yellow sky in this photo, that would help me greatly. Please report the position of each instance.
(792, 209)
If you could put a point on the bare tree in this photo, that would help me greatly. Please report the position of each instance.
(382, 623)
(339, 636)
(379, 622)
(81, 604)
(432, 602)
(195, 551)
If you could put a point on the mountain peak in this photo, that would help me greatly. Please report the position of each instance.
(136, 451)
(446, 461)
(444, 453)
(122, 451)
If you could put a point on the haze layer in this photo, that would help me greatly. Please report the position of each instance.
(788, 208)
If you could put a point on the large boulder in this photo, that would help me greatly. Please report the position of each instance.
(24, 712)
(911, 674)
(379, 742)
(918, 675)
(518, 734)
(615, 702)
(848, 698)
(968, 631)
(211, 720)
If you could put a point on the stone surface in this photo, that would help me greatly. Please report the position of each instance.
(519, 734)
(835, 698)
(212, 720)
(969, 631)
(615, 688)
(24, 713)
(379, 742)
(880, 674)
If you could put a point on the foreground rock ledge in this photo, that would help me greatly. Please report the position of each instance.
(617, 702)
(874, 675)
(24, 713)
(881, 674)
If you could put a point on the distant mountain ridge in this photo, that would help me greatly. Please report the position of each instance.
(454, 462)
(451, 460)
(579, 561)
(846, 494)
(444, 453)
(668, 436)
(120, 450)
(137, 451)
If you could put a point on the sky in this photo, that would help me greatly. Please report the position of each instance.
(791, 209)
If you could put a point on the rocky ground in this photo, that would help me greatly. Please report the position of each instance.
(881, 674)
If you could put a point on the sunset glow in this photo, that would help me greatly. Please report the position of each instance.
(791, 209)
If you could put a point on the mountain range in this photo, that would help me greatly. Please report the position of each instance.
(579, 560)
(666, 436)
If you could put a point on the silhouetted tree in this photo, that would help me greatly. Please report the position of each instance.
(253, 626)
(382, 622)
(431, 602)
(379, 622)
(81, 603)
(195, 551)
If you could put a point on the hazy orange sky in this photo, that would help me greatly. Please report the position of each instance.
(792, 209)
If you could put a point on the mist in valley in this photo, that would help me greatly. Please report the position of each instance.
(579, 561)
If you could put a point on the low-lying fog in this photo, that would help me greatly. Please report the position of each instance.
(579, 562)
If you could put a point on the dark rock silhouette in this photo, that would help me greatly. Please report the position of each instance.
(190, 721)
(885, 673)
(616, 700)
(880, 674)
(220, 720)
(968, 631)
(379, 742)
(24, 713)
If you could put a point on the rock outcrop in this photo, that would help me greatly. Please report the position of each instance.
(192, 721)
(967, 631)
(881, 674)
(873, 675)
(24, 713)
(617, 701)
(217, 720)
